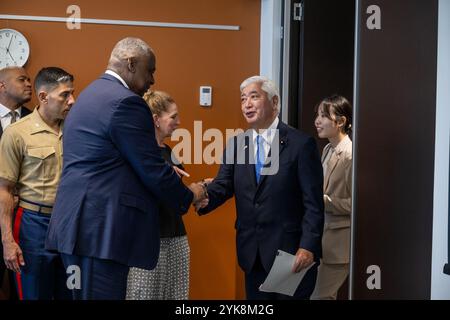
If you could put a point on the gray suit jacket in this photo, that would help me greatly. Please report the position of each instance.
(338, 205)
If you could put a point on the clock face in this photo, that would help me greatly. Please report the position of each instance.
(14, 48)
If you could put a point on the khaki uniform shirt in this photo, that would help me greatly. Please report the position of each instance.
(31, 157)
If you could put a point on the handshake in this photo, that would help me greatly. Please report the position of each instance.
(200, 193)
(198, 189)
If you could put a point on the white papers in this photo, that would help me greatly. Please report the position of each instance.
(281, 279)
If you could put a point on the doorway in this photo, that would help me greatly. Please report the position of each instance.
(321, 62)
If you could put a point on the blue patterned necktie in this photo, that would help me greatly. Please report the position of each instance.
(259, 157)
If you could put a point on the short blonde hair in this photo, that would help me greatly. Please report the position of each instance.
(158, 101)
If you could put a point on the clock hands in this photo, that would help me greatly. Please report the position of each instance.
(9, 45)
(12, 57)
(13, 53)
(9, 52)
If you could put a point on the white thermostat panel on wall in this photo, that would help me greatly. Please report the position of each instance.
(205, 96)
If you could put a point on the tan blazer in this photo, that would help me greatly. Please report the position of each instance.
(338, 207)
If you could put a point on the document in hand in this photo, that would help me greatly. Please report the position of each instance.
(281, 279)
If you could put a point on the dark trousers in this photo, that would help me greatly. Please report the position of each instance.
(100, 279)
(258, 274)
(43, 276)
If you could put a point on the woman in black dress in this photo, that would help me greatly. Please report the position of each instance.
(170, 279)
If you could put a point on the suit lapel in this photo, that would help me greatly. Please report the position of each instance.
(24, 112)
(330, 168)
(334, 159)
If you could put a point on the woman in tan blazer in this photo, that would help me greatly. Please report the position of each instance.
(333, 122)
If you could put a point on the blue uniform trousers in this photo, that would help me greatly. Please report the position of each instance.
(43, 276)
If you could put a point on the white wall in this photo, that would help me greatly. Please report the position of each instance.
(440, 282)
(270, 49)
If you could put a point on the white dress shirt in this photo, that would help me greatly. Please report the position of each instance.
(267, 137)
(5, 115)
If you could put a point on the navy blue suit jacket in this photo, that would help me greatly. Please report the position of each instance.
(284, 210)
(112, 178)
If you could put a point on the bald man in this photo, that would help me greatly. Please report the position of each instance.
(15, 91)
(105, 218)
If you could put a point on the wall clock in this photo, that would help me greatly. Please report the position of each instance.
(14, 48)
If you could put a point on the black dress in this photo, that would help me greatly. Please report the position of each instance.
(171, 224)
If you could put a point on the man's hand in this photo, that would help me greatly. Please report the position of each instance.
(203, 203)
(12, 254)
(303, 258)
(207, 181)
(199, 192)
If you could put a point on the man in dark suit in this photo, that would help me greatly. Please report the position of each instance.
(274, 171)
(15, 91)
(105, 218)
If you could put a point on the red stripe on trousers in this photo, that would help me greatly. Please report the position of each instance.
(16, 232)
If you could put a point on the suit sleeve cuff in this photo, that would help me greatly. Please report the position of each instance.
(188, 198)
(312, 247)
